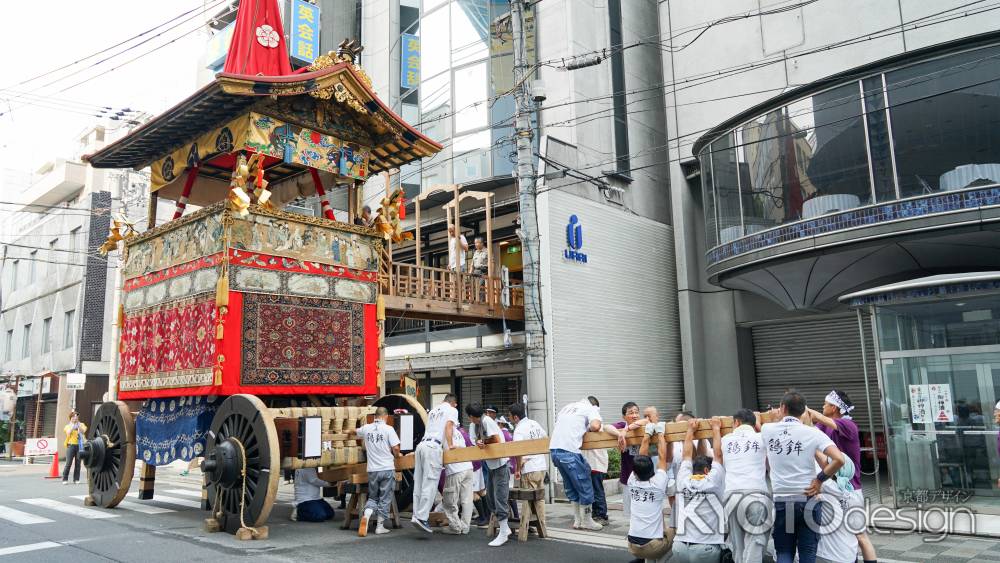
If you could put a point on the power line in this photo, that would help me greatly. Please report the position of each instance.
(92, 55)
(773, 137)
(728, 72)
(909, 82)
(112, 69)
(129, 48)
(49, 249)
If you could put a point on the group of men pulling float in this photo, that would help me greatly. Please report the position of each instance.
(795, 479)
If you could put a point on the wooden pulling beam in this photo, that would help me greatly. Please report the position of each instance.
(675, 432)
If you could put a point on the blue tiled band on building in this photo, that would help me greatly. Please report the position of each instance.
(864, 216)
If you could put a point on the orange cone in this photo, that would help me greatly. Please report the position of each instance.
(54, 468)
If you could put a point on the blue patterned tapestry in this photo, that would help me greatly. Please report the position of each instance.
(173, 429)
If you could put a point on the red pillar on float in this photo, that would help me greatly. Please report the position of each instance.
(327, 210)
(186, 192)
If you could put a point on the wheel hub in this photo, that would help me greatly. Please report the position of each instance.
(224, 464)
(93, 453)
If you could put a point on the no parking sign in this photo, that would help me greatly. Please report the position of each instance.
(40, 446)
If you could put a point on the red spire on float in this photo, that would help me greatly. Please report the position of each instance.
(258, 45)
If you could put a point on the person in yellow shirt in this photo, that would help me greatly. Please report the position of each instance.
(73, 431)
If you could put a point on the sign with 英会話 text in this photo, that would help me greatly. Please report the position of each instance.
(409, 61)
(303, 32)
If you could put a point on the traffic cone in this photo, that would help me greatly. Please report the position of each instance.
(54, 468)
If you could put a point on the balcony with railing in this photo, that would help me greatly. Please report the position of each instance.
(424, 292)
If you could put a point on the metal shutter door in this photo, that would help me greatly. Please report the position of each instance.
(813, 357)
(49, 419)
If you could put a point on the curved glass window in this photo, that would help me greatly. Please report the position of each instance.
(926, 128)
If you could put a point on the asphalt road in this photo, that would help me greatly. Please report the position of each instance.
(42, 520)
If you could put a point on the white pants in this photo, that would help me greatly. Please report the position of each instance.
(696, 553)
(458, 493)
(426, 473)
(747, 543)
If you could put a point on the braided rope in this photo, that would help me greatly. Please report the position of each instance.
(243, 491)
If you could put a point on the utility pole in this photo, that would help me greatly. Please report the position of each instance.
(538, 389)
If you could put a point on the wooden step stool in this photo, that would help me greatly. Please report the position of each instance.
(358, 487)
(532, 513)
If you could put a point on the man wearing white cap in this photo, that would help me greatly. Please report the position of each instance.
(835, 421)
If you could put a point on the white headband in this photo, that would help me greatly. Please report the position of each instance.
(834, 399)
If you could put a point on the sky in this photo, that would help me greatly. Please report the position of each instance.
(54, 33)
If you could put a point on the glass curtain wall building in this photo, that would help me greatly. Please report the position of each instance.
(909, 132)
(462, 96)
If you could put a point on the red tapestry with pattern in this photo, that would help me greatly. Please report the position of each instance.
(168, 346)
(302, 341)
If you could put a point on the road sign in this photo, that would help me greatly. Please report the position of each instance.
(40, 446)
(75, 381)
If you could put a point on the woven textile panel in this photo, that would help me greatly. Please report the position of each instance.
(289, 340)
(169, 345)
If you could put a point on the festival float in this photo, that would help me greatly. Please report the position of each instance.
(241, 321)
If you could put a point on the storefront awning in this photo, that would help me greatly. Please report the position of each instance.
(929, 287)
(454, 359)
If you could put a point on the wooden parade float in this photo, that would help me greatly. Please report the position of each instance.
(241, 322)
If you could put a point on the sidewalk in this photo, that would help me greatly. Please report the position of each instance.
(891, 547)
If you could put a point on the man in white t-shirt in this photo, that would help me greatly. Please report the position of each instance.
(745, 461)
(457, 491)
(488, 432)
(791, 457)
(441, 423)
(457, 247)
(381, 448)
(647, 490)
(530, 469)
(572, 422)
(844, 516)
(701, 486)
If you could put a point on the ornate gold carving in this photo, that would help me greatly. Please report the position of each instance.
(121, 229)
(387, 219)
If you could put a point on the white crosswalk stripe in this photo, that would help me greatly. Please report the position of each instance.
(185, 492)
(280, 499)
(135, 506)
(75, 510)
(28, 547)
(16, 516)
(171, 500)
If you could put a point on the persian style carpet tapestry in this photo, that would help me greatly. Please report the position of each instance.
(170, 429)
(290, 340)
(169, 345)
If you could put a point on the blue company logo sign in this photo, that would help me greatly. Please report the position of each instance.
(574, 241)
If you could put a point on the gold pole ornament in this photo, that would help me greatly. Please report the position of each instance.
(387, 220)
(121, 229)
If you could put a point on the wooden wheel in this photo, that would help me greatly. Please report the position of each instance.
(242, 441)
(109, 453)
(404, 496)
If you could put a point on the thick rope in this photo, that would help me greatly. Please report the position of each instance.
(243, 492)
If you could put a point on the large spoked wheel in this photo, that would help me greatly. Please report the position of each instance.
(109, 454)
(241, 464)
(395, 403)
